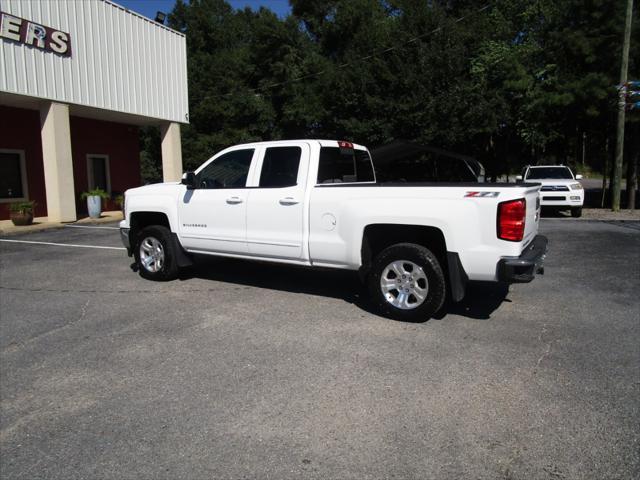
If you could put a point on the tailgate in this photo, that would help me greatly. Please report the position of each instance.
(532, 196)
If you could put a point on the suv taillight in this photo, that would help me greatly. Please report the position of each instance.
(511, 217)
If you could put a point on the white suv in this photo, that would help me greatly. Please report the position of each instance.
(559, 187)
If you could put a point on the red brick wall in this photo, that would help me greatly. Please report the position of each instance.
(20, 130)
(119, 141)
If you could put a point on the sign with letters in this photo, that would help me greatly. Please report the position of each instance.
(33, 34)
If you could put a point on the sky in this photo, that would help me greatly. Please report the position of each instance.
(148, 8)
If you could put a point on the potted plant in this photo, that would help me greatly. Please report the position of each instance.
(21, 213)
(94, 201)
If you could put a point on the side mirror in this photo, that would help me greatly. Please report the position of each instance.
(578, 177)
(518, 178)
(189, 179)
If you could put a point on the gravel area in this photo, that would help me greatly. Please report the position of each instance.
(596, 214)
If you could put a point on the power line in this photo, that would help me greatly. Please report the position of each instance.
(357, 60)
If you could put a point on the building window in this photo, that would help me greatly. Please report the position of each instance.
(98, 172)
(13, 176)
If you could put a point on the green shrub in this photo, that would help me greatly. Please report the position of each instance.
(95, 192)
(586, 171)
(22, 207)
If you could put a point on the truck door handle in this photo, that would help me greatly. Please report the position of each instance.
(289, 201)
(234, 200)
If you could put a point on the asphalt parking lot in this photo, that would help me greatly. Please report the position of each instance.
(245, 370)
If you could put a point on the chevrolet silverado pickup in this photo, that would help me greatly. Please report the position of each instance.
(316, 203)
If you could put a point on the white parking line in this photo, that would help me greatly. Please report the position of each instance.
(90, 226)
(61, 244)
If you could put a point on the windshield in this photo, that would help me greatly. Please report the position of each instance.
(549, 172)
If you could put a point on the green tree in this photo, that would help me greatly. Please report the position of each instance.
(510, 83)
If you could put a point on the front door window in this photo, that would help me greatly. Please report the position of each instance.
(227, 171)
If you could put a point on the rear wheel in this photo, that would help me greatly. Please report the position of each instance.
(407, 283)
(154, 254)
(576, 212)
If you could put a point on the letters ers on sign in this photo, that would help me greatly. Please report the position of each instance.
(30, 33)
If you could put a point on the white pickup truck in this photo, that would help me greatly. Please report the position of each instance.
(316, 203)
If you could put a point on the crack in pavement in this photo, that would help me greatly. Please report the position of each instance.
(543, 331)
(13, 347)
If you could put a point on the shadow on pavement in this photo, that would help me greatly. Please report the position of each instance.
(551, 212)
(481, 300)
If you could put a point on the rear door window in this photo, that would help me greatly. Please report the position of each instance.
(280, 167)
(337, 167)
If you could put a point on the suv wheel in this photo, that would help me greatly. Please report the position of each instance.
(154, 254)
(406, 282)
(576, 212)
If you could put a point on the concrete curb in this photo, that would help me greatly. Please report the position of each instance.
(7, 228)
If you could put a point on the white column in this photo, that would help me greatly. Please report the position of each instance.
(58, 165)
(171, 152)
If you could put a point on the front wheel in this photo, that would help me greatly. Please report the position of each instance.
(576, 212)
(154, 254)
(407, 283)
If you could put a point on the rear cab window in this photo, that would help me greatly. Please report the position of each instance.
(340, 165)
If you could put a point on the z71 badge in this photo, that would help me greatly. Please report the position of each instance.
(482, 194)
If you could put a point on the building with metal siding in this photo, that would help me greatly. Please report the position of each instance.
(79, 78)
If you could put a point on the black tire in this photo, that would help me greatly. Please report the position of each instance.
(576, 212)
(430, 265)
(168, 269)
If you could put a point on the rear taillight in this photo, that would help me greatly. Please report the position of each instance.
(511, 217)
